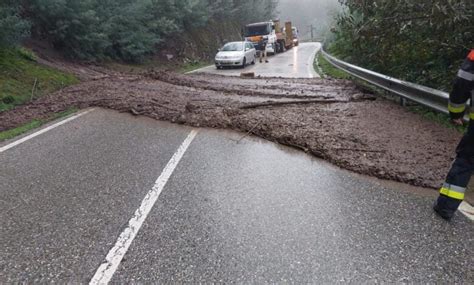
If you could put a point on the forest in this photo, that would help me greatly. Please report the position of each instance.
(126, 30)
(421, 41)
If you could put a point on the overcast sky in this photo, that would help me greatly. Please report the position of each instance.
(303, 13)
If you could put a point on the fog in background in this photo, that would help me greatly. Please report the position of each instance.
(303, 13)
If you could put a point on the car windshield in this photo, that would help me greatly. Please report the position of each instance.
(237, 46)
(259, 30)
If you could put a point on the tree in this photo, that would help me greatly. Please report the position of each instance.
(72, 26)
(12, 27)
(421, 41)
(130, 29)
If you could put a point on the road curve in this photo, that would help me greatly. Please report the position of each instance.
(294, 63)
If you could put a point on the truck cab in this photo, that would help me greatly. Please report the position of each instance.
(255, 32)
(296, 40)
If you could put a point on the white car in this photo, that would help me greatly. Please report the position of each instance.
(236, 54)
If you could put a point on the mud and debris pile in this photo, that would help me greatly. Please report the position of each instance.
(331, 119)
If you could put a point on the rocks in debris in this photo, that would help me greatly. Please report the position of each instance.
(247, 74)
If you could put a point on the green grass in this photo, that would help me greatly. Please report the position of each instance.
(440, 118)
(6, 135)
(193, 65)
(18, 73)
(328, 70)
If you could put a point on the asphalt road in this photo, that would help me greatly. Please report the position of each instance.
(294, 63)
(231, 209)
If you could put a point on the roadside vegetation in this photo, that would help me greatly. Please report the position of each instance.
(418, 41)
(9, 134)
(127, 30)
(328, 70)
(193, 65)
(23, 79)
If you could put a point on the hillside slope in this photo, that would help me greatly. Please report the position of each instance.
(23, 79)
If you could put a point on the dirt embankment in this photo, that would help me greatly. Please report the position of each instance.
(331, 119)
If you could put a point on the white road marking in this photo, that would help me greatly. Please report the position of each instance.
(199, 69)
(467, 210)
(312, 73)
(42, 131)
(107, 269)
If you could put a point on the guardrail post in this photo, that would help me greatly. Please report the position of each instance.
(403, 102)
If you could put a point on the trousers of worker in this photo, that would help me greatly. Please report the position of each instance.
(263, 55)
(453, 190)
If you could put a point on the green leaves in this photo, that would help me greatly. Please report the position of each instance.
(120, 29)
(421, 41)
(12, 27)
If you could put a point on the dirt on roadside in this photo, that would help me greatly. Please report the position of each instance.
(331, 119)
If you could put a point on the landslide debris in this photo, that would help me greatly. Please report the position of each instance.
(331, 119)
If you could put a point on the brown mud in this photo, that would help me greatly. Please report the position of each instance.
(331, 119)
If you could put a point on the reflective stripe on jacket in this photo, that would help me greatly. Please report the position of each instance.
(463, 88)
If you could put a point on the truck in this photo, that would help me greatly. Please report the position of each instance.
(278, 38)
(284, 36)
(295, 32)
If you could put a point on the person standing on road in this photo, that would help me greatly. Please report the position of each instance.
(262, 49)
(453, 190)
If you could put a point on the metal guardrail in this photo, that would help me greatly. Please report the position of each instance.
(429, 97)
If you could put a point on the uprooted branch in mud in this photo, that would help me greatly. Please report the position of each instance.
(283, 103)
(332, 119)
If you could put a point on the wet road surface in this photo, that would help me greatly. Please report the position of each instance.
(233, 210)
(294, 63)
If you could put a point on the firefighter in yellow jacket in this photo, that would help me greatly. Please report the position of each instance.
(453, 190)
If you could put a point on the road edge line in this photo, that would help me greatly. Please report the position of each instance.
(311, 71)
(107, 269)
(198, 70)
(467, 210)
(42, 131)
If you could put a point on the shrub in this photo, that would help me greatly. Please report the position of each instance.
(12, 27)
(421, 41)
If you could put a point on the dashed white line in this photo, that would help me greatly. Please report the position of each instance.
(107, 269)
(42, 131)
